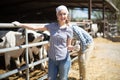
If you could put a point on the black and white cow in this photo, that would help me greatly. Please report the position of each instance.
(37, 52)
(10, 40)
(33, 37)
(41, 50)
(14, 38)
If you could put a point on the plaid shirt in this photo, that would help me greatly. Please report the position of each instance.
(84, 37)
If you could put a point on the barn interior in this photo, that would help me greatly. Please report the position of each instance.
(34, 11)
(43, 11)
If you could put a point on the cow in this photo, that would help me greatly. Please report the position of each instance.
(94, 30)
(41, 50)
(10, 40)
(33, 37)
(17, 38)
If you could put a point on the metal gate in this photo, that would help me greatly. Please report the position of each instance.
(27, 66)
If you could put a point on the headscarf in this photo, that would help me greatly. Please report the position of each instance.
(61, 7)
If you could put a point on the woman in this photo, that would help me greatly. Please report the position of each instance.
(60, 44)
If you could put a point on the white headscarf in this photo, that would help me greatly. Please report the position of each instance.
(61, 7)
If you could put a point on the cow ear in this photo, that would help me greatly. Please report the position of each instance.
(22, 30)
(1, 40)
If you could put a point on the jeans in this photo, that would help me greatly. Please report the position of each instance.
(59, 69)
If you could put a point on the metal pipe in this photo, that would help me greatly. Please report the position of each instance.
(9, 73)
(26, 55)
(44, 77)
(10, 25)
(6, 25)
(22, 46)
(22, 68)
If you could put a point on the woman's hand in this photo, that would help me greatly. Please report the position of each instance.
(70, 47)
(75, 48)
(16, 23)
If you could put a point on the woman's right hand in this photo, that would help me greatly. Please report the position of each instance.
(16, 23)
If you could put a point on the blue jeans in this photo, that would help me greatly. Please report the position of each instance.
(59, 68)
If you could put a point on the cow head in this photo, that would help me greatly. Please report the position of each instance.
(46, 35)
(34, 36)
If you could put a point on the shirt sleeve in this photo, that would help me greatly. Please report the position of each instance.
(78, 32)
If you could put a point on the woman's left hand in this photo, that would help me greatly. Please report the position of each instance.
(70, 47)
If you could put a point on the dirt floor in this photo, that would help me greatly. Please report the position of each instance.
(104, 64)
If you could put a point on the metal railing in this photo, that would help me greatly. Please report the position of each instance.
(27, 66)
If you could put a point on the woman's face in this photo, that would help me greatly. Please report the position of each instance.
(62, 16)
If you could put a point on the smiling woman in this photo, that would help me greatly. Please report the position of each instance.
(60, 43)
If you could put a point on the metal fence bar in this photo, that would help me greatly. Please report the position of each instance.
(22, 46)
(75, 58)
(26, 55)
(44, 77)
(10, 25)
(9, 73)
(4, 75)
(38, 62)
(6, 25)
